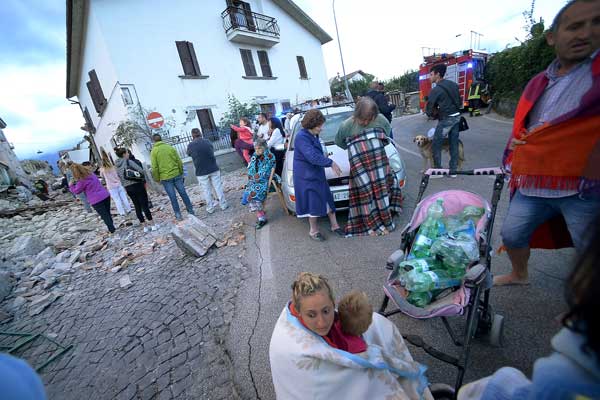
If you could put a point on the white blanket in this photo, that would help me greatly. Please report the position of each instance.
(305, 367)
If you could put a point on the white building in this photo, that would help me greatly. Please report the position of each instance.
(183, 58)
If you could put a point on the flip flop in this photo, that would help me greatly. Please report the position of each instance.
(317, 237)
(339, 232)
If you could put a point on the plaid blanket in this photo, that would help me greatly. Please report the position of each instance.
(374, 189)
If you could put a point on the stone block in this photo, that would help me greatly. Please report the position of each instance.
(194, 237)
(26, 246)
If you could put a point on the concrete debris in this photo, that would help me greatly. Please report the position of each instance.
(6, 284)
(27, 246)
(125, 282)
(194, 237)
(39, 304)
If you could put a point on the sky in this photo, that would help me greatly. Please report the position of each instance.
(381, 37)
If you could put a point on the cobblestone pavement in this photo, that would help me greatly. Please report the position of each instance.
(160, 338)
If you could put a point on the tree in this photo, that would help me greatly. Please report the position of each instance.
(135, 129)
(236, 111)
(407, 82)
(357, 87)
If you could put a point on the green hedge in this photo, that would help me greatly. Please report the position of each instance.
(509, 71)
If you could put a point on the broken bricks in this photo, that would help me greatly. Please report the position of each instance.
(194, 237)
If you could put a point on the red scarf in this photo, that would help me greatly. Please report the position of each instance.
(558, 155)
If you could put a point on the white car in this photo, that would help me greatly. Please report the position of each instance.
(334, 116)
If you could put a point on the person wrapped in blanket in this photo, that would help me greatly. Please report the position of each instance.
(375, 193)
(259, 171)
(312, 356)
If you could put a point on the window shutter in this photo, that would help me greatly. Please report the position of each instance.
(188, 58)
(88, 119)
(248, 62)
(263, 59)
(97, 106)
(302, 67)
(96, 92)
(194, 59)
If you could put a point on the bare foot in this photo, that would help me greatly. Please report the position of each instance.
(510, 279)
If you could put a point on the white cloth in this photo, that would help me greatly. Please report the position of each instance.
(263, 131)
(276, 138)
(119, 196)
(304, 366)
(211, 182)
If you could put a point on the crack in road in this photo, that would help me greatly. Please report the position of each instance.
(260, 264)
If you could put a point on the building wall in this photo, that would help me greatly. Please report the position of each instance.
(133, 42)
(10, 160)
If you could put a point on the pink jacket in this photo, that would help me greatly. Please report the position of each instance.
(111, 177)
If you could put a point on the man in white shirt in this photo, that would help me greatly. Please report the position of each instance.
(263, 127)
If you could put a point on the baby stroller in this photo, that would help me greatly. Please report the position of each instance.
(471, 299)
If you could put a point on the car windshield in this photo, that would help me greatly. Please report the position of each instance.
(330, 128)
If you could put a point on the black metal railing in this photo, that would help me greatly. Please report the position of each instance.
(238, 18)
(220, 140)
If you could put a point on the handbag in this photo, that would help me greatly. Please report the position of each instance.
(462, 123)
(131, 174)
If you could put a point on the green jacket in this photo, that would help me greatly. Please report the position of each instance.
(349, 128)
(166, 163)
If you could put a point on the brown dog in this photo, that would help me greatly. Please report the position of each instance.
(425, 147)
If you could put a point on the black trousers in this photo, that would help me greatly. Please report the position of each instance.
(138, 195)
(103, 209)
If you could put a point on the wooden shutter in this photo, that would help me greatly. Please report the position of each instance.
(96, 92)
(88, 120)
(302, 67)
(187, 55)
(248, 62)
(263, 59)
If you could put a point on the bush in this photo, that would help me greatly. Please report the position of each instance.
(408, 82)
(237, 110)
(508, 71)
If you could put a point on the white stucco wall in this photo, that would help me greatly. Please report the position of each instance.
(141, 36)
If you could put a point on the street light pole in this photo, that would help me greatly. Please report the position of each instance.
(348, 94)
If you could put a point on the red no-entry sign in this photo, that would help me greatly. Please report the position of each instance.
(155, 120)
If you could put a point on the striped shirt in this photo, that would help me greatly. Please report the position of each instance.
(562, 95)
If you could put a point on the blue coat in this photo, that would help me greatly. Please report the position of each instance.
(310, 184)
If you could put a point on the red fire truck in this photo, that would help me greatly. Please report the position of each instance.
(463, 67)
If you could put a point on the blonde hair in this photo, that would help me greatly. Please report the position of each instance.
(307, 284)
(106, 161)
(356, 313)
(80, 171)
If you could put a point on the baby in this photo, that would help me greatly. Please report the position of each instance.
(355, 316)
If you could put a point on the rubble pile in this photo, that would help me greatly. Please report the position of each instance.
(39, 254)
(37, 169)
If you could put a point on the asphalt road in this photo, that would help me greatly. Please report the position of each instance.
(282, 249)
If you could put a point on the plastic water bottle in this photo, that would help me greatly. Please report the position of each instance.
(430, 229)
(428, 280)
(472, 213)
(420, 264)
(419, 299)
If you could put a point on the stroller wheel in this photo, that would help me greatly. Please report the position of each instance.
(496, 334)
(441, 391)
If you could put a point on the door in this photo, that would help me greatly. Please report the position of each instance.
(207, 124)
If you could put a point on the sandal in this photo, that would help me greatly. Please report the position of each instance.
(260, 224)
(317, 237)
(339, 231)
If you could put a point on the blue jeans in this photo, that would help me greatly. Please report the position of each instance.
(448, 125)
(170, 186)
(527, 213)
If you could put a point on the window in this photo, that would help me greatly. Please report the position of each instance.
(286, 106)
(263, 59)
(88, 120)
(269, 109)
(248, 62)
(126, 95)
(96, 93)
(207, 124)
(302, 67)
(187, 55)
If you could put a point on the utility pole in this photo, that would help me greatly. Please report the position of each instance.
(348, 94)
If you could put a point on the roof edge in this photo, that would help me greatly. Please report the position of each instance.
(303, 19)
(75, 22)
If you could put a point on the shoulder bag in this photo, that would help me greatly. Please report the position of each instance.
(131, 174)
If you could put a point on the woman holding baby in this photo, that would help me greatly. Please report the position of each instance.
(351, 353)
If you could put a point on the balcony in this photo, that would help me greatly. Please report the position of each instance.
(247, 27)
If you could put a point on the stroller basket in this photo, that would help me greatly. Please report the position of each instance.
(466, 300)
